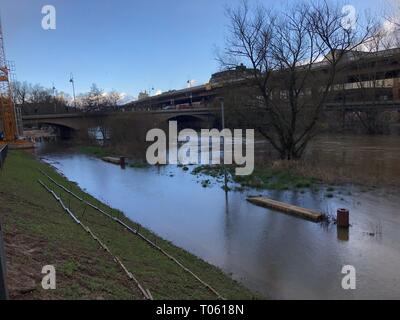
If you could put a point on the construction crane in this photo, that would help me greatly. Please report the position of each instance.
(8, 126)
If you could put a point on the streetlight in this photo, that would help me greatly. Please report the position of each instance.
(150, 97)
(73, 88)
(54, 98)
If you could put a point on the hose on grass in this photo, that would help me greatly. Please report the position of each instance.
(137, 233)
(145, 292)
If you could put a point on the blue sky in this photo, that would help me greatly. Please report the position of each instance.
(125, 45)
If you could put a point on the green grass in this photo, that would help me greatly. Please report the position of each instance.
(69, 267)
(96, 151)
(262, 178)
(38, 232)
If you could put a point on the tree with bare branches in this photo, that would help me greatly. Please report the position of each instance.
(294, 56)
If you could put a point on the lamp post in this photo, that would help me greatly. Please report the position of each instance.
(150, 97)
(54, 99)
(73, 88)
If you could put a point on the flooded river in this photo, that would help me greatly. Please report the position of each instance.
(280, 256)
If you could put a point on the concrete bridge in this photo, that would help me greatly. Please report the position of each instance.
(193, 106)
(203, 117)
(67, 123)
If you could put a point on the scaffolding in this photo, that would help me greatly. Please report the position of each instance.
(7, 108)
(17, 109)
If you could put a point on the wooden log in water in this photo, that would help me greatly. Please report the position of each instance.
(113, 160)
(287, 208)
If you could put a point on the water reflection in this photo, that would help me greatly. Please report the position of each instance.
(359, 155)
(273, 253)
(343, 234)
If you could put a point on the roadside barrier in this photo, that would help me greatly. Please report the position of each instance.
(3, 155)
(3, 286)
(137, 233)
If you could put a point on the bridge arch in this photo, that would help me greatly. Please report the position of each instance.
(186, 121)
(63, 131)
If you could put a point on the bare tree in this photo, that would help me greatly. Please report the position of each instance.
(21, 91)
(38, 99)
(99, 100)
(392, 14)
(93, 100)
(112, 99)
(281, 49)
(40, 95)
(96, 100)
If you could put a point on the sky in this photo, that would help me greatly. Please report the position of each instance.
(126, 45)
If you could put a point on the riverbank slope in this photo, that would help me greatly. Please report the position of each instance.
(38, 232)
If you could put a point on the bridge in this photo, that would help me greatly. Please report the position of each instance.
(202, 95)
(204, 117)
(69, 122)
(194, 106)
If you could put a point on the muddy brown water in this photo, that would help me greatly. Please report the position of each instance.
(278, 255)
(374, 156)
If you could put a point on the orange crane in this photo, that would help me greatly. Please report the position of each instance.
(7, 108)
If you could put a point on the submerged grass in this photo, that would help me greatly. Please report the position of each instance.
(38, 232)
(96, 151)
(138, 165)
(268, 178)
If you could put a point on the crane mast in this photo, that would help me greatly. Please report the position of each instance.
(7, 108)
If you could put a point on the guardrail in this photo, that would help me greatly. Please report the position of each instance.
(3, 287)
(3, 155)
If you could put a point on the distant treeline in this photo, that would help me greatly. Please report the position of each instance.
(36, 99)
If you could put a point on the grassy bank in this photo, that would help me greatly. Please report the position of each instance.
(38, 232)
